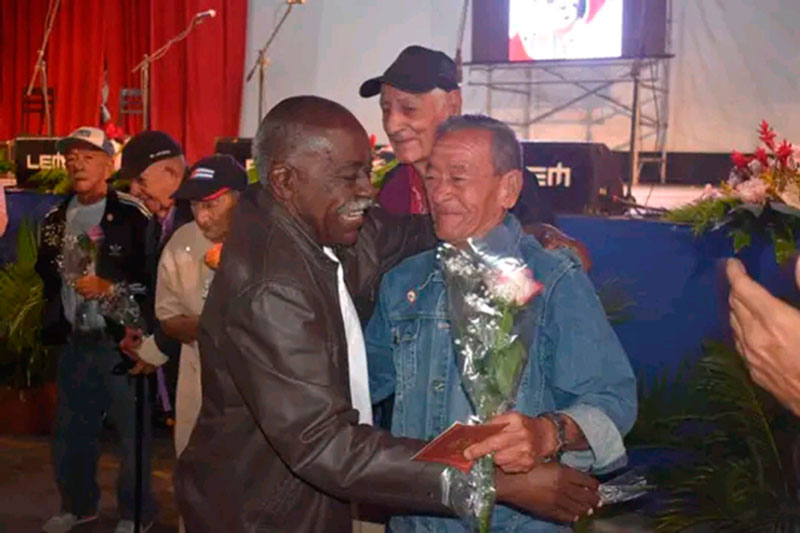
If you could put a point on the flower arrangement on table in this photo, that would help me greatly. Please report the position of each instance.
(761, 194)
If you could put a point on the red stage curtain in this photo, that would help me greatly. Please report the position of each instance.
(195, 88)
(74, 61)
(127, 41)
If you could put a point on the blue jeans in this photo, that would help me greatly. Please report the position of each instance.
(86, 389)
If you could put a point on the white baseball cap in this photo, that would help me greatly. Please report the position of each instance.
(87, 135)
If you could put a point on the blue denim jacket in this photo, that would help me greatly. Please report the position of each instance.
(576, 366)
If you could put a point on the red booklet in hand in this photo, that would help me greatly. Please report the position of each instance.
(448, 448)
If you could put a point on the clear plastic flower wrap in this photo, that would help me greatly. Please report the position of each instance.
(488, 288)
(121, 306)
(624, 487)
(78, 258)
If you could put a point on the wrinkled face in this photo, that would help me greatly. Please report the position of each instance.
(410, 121)
(136, 190)
(157, 184)
(214, 217)
(466, 197)
(88, 168)
(333, 188)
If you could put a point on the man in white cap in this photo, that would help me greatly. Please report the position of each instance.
(113, 226)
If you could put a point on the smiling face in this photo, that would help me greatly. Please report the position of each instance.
(410, 120)
(88, 169)
(332, 188)
(466, 196)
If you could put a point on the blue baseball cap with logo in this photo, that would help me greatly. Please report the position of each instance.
(211, 177)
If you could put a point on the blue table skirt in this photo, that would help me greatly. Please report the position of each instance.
(674, 280)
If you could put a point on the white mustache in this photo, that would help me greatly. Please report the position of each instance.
(356, 205)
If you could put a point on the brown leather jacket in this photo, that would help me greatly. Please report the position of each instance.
(277, 446)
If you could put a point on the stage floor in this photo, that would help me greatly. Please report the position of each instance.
(28, 495)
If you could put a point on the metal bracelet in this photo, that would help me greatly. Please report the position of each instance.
(561, 431)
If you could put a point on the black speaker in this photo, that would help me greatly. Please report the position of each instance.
(238, 147)
(32, 154)
(574, 177)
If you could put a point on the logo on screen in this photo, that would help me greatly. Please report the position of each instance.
(557, 176)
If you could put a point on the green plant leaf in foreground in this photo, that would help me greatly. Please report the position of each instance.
(741, 239)
(783, 243)
(704, 214)
(22, 356)
(734, 478)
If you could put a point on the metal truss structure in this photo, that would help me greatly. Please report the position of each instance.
(648, 109)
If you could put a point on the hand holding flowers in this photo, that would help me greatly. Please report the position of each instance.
(524, 443)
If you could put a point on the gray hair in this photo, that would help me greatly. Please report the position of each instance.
(506, 150)
(263, 147)
(294, 126)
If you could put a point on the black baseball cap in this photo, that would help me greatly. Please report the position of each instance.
(416, 70)
(211, 177)
(144, 149)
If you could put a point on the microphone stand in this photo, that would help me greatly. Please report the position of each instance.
(148, 60)
(261, 62)
(41, 66)
(461, 27)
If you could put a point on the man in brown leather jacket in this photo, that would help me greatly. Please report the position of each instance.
(278, 446)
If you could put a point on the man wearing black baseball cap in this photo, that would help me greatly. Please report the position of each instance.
(154, 162)
(418, 92)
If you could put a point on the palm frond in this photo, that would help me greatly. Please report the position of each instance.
(735, 479)
(21, 311)
(53, 181)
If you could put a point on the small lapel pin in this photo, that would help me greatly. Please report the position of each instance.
(411, 296)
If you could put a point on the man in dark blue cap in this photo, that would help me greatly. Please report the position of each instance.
(155, 164)
(418, 92)
(185, 272)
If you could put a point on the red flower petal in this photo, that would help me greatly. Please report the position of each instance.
(739, 159)
(784, 151)
(761, 157)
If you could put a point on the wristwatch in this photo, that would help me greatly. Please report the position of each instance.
(561, 431)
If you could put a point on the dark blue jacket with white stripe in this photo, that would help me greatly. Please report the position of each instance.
(121, 259)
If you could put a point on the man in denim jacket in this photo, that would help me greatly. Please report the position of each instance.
(577, 396)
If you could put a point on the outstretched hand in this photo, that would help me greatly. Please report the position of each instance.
(551, 491)
(767, 334)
